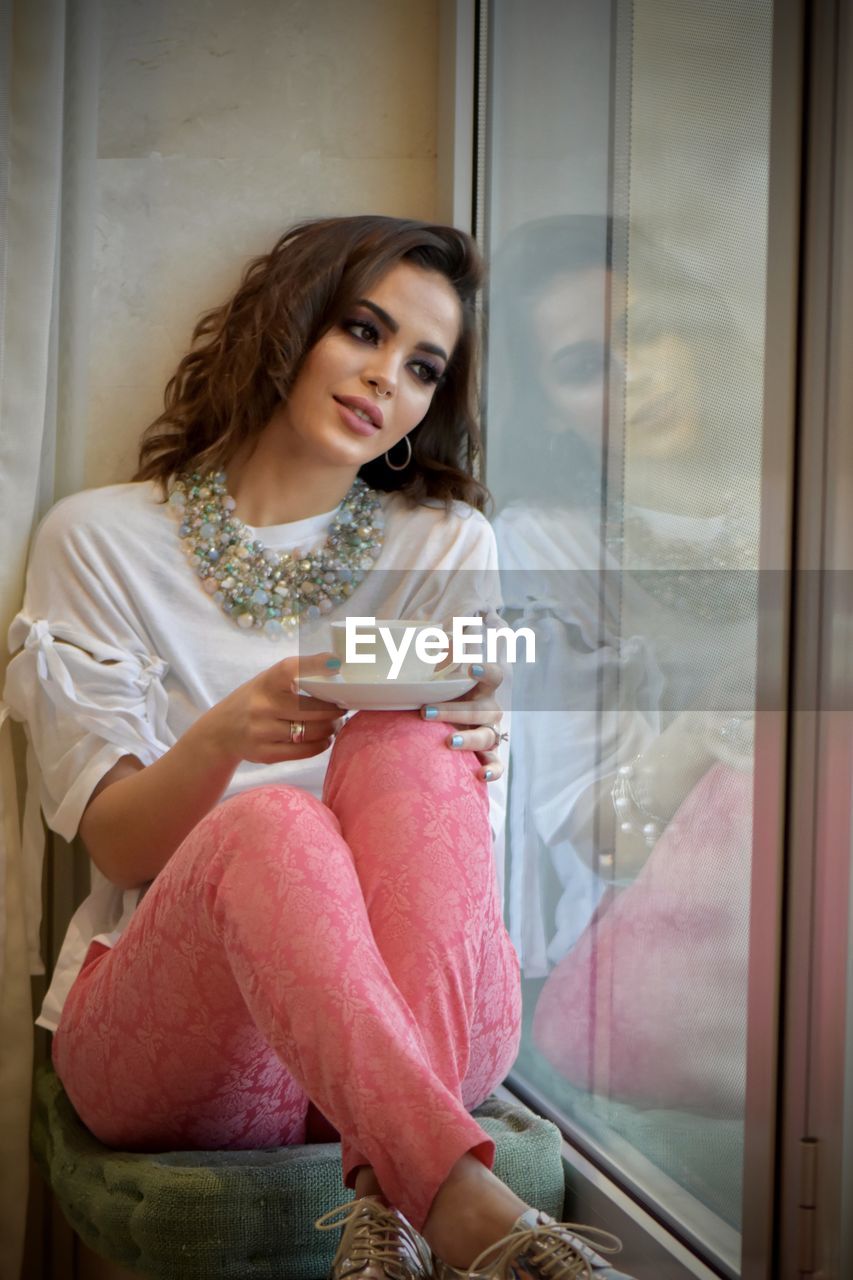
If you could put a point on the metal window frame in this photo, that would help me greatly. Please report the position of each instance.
(814, 1233)
(457, 97)
(774, 751)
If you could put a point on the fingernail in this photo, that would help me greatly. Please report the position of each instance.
(456, 740)
(477, 670)
(488, 775)
(430, 713)
(334, 663)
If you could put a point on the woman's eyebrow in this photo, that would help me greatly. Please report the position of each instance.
(391, 323)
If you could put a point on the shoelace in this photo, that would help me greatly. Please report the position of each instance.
(546, 1248)
(377, 1238)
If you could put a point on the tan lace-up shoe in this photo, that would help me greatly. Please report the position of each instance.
(539, 1248)
(377, 1243)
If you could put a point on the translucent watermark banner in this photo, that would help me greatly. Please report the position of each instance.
(659, 641)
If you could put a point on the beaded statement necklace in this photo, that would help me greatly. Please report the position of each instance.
(721, 585)
(265, 589)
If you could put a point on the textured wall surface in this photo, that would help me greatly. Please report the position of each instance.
(220, 123)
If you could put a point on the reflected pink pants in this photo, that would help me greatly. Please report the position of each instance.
(350, 954)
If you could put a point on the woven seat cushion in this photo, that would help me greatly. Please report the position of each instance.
(238, 1214)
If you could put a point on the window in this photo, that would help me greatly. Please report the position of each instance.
(626, 154)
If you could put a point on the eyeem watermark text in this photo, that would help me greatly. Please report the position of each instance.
(470, 641)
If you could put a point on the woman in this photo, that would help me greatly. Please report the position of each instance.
(252, 950)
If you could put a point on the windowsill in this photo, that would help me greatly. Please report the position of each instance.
(650, 1251)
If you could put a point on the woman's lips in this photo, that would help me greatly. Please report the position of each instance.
(354, 422)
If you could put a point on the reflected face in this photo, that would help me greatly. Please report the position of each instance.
(371, 378)
(571, 329)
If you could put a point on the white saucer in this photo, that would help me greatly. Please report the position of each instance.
(385, 695)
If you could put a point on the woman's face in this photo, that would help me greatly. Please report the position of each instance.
(571, 329)
(371, 378)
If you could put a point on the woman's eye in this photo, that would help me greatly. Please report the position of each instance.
(366, 331)
(363, 330)
(580, 363)
(426, 372)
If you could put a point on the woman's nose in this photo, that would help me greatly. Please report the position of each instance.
(381, 383)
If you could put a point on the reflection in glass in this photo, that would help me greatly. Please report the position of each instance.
(628, 540)
(624, 395)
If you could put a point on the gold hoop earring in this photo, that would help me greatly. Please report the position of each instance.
(403, 465)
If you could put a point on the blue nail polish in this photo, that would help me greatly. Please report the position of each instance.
(477, 670)
(430, 713)
(488, 775)
(334, 663)
(456, 740)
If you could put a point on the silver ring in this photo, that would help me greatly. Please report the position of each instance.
(297, 731)
(499, 737)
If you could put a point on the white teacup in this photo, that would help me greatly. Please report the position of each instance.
(398, 649)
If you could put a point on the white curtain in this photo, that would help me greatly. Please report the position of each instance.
(48, 193)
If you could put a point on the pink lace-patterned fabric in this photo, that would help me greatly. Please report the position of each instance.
(351, 953)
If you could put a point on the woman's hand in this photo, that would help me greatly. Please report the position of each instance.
(473, 715)
(266, 720)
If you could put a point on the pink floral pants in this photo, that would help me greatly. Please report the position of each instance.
(350, 953)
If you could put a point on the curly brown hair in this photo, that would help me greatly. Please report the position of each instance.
(246, 354)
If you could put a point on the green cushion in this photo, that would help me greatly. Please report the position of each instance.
(238, 1214)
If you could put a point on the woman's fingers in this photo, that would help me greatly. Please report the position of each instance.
(317, 736)
(481, 739)
(472, 717)
(472, 740)
(275, 738)
(311, 730)
(282, 685)
(330, 721)
(478, 705)
(487, 674)
(492, 767)
(276, 752)
(483, 711)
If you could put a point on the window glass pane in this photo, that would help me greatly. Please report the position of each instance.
(626, 210)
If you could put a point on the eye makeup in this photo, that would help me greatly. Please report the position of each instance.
(581, 362)
(364, 330)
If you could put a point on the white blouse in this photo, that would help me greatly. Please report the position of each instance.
(119, 651)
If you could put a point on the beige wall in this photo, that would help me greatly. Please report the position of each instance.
(219, 124)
